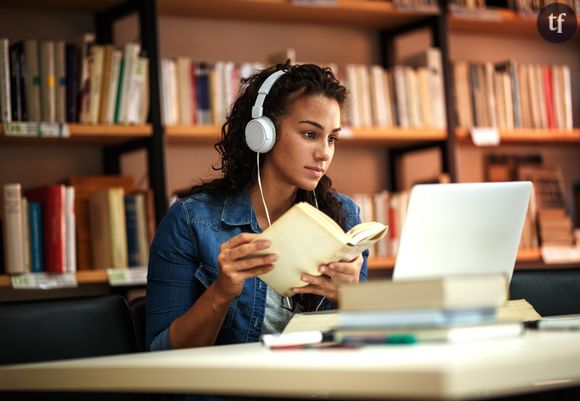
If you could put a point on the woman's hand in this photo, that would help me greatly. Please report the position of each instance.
(333, 275)
(235, 266)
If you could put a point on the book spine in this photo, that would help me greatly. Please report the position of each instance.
(5, 102)
(70, 232)
(25, 234)
(60, 81)
(131, 228)
(35, 229)
(117, 226)
(17, 82)
(32, 80)
(47, 82)
(13, 231)
(72, 82)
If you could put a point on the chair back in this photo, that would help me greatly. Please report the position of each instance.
(35, 331)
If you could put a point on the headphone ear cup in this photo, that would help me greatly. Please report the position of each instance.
(260, 134)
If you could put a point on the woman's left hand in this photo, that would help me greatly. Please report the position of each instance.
(333, 275)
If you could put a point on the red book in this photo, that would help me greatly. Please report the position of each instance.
(51, 198)
(547, 70)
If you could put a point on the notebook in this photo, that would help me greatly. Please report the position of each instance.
(471, 228)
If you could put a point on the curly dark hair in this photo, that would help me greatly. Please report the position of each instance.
(238, 161)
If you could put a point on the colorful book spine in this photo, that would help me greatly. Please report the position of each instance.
(35, 230)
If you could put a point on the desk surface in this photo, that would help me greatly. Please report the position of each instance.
(534, 362)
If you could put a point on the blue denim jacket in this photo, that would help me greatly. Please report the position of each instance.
(183, 263)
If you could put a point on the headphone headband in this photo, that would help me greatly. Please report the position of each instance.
(258, 109)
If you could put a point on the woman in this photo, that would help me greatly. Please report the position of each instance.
(202, 288)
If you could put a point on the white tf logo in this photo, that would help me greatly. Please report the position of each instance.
(559, 19)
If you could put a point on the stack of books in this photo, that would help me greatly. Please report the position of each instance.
(446, 309)
(451, 309)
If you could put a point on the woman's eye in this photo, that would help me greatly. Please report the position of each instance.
(332, 139)
(309, 134)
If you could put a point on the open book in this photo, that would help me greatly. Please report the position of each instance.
(304, 238)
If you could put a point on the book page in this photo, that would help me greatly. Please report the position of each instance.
(312, 321)
(519, 310)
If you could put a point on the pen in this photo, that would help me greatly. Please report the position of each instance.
(395, 339)
(295, 339)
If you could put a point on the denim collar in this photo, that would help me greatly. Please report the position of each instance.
(238, 211)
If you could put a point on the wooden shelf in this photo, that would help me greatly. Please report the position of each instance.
(367, 14)
(529, 136)
(386, 136)
(497, 22)
(84, 133)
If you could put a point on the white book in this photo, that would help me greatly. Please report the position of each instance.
(131, 53)
(136, 90)
(5, 105)
(388, 95)
(47, 82)
(378, 102)
(569, 124)
(509, 101)
(353, 115)
(539, 76)
(13, 230)
(364, 92)
(70, 229)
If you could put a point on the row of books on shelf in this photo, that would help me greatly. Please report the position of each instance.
(510, 95)
(58, 82)
(94, 222)
(409, 95)
(542, 227)
(448, 309)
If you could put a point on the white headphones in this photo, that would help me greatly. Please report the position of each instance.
(260, 130)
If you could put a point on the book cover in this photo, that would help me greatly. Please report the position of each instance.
(5, 105)
(13, 230)
(52, 199)
(451, 292)
(292, 236)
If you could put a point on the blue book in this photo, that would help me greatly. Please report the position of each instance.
(131, 227)
(414, 318)
(35, 228)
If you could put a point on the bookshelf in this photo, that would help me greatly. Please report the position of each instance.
(382, 18)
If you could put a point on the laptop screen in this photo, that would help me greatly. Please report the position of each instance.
(472, 228)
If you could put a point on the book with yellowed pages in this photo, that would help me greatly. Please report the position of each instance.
(449, 292)
(304, 238)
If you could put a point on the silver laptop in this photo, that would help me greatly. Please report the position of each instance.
(462, 229)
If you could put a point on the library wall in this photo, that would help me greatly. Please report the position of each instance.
(219, 40)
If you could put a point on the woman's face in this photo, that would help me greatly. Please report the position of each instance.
(305, 142)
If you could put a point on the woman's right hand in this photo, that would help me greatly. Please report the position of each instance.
(235, 266)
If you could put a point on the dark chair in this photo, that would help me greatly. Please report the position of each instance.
(554, 292)
(36, 331)
(138, 308)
